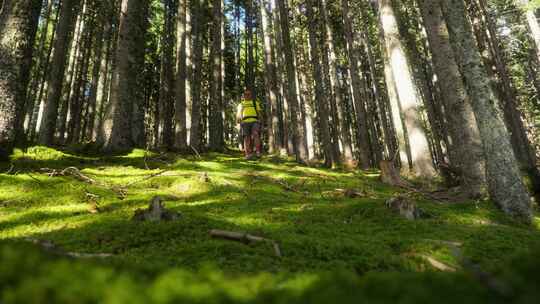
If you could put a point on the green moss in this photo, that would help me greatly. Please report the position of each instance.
(333, 247)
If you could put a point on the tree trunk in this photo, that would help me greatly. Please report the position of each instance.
(66, 23)
(524, 151)
(183, 70)
(406, 90)
(195, 135)
(167, 81)
(100, 47)
(298, 130)
(361, 119)
(249, 56)
(40, 66)
(532, 23)
(216, 140)
(503, 177)
(465, 152)
(104, 84)
(270, 77)
(73, 68)
(321, 98)
(328, 36)
(78, 97)
(18, 26)
(122, 127)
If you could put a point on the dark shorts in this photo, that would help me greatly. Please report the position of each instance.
(250, 128)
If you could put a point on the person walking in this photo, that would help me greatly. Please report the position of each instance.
(249, 116)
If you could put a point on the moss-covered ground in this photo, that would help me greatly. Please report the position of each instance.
(335, 249)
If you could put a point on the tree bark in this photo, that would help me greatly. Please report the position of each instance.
(406, 90)
(183, 72)
(216, 141)
(122, 125)
(321, 98)
(100, 47)
(298, 130)
(361, 119)
(502, 171)
(532, 23)
(195, 140)
(328, 36)
(18, 26)
(465, 151)
(66, 23)
(270, 77)
(40, 66)
(167, 81)
(524, 151)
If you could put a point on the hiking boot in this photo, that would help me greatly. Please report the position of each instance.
(259, 154)
(250, 157)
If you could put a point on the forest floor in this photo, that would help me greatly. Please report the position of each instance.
(335, 248)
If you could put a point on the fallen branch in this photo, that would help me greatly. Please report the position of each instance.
(409, 188)
(76, 173)
(51, 247)
(348, 193)
(73, 172)
(34, 178)
(11, 167)
(244, 238)
(146, 178)
(447, 243)
(436, 263)
(286, 186)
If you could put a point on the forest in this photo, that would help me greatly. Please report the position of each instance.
(269, 151)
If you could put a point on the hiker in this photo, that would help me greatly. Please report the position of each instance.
(249, 116)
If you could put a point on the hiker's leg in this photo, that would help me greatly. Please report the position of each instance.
(257, 138)
(248, 142)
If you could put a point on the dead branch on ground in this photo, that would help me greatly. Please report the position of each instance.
(51, 247)
(244, 238)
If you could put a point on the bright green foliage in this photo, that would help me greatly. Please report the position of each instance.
(335, 249)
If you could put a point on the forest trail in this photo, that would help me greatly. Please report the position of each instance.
(318, 228)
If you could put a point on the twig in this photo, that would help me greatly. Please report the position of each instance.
(74, 172)
(146, 178)
(409, 188)
(51, 247)
(448, 243)
(11, 167)
(34, 178)
(244, 238)
(280, 182)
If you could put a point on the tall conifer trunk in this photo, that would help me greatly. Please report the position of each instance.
(122, 126)
(407, 92)
(18, 26)
(66, 24)
(502, 171)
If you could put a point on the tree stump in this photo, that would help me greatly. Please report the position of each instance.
(390, 174)
(156, 212)
(404, 207)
